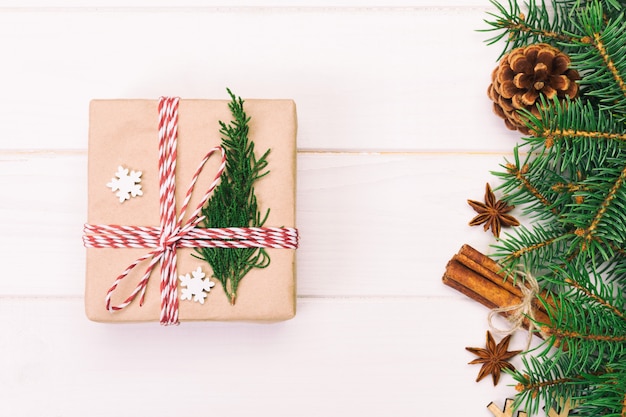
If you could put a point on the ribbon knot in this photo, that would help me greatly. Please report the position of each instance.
(170, 240)
(172, 233)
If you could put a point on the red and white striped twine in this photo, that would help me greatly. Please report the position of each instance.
(172, 233)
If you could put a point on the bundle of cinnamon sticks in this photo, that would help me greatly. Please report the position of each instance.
(482, 279)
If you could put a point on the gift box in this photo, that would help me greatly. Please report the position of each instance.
(125, 134)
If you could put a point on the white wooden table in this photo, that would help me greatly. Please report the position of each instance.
(395, 133)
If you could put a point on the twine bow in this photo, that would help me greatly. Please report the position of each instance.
(172, 233)
(522, 311)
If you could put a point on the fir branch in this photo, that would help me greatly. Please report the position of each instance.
(615, 271)
(608, 396)
(534, 247)
(611, 5)
(574, 134)
(534, 25)
(544, 380)
(520, 176)
(599, 300)
(527, 184)
(552, 135)
(608, 61)
(591, 33)
(534, 388)
(584, 326)
(595, 392)
(572, 186)
(234, 203)
(589, 232)
(569, 335)
(598, 214)
(605, 39)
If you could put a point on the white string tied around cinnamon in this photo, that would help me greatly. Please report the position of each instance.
(529, 287)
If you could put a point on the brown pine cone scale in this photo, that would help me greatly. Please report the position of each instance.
(525, 74)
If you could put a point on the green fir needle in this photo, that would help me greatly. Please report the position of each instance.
(569, 178)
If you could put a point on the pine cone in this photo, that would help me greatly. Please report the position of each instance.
(526, 73)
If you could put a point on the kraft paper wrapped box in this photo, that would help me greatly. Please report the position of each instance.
(125, 133)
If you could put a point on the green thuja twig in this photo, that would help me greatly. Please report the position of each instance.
(234, 204)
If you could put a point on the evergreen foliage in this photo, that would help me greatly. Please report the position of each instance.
(569, 176)
(234, 204)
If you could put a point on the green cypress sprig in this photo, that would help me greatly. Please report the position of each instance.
(234, 203)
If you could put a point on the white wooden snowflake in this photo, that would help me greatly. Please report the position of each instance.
(196, 286)
(126, 184)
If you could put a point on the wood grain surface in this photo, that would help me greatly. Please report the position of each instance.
(395, 133)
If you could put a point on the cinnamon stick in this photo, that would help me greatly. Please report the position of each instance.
(493, 271)
(482, 279)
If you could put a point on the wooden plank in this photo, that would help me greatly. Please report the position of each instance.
(371, 224)
(365, 79)
(376, 332)
(386, 224)
(337, 357)
(34, 5)
(41, 222)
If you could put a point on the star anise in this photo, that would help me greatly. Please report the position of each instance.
(492, 213)
(494, 358)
